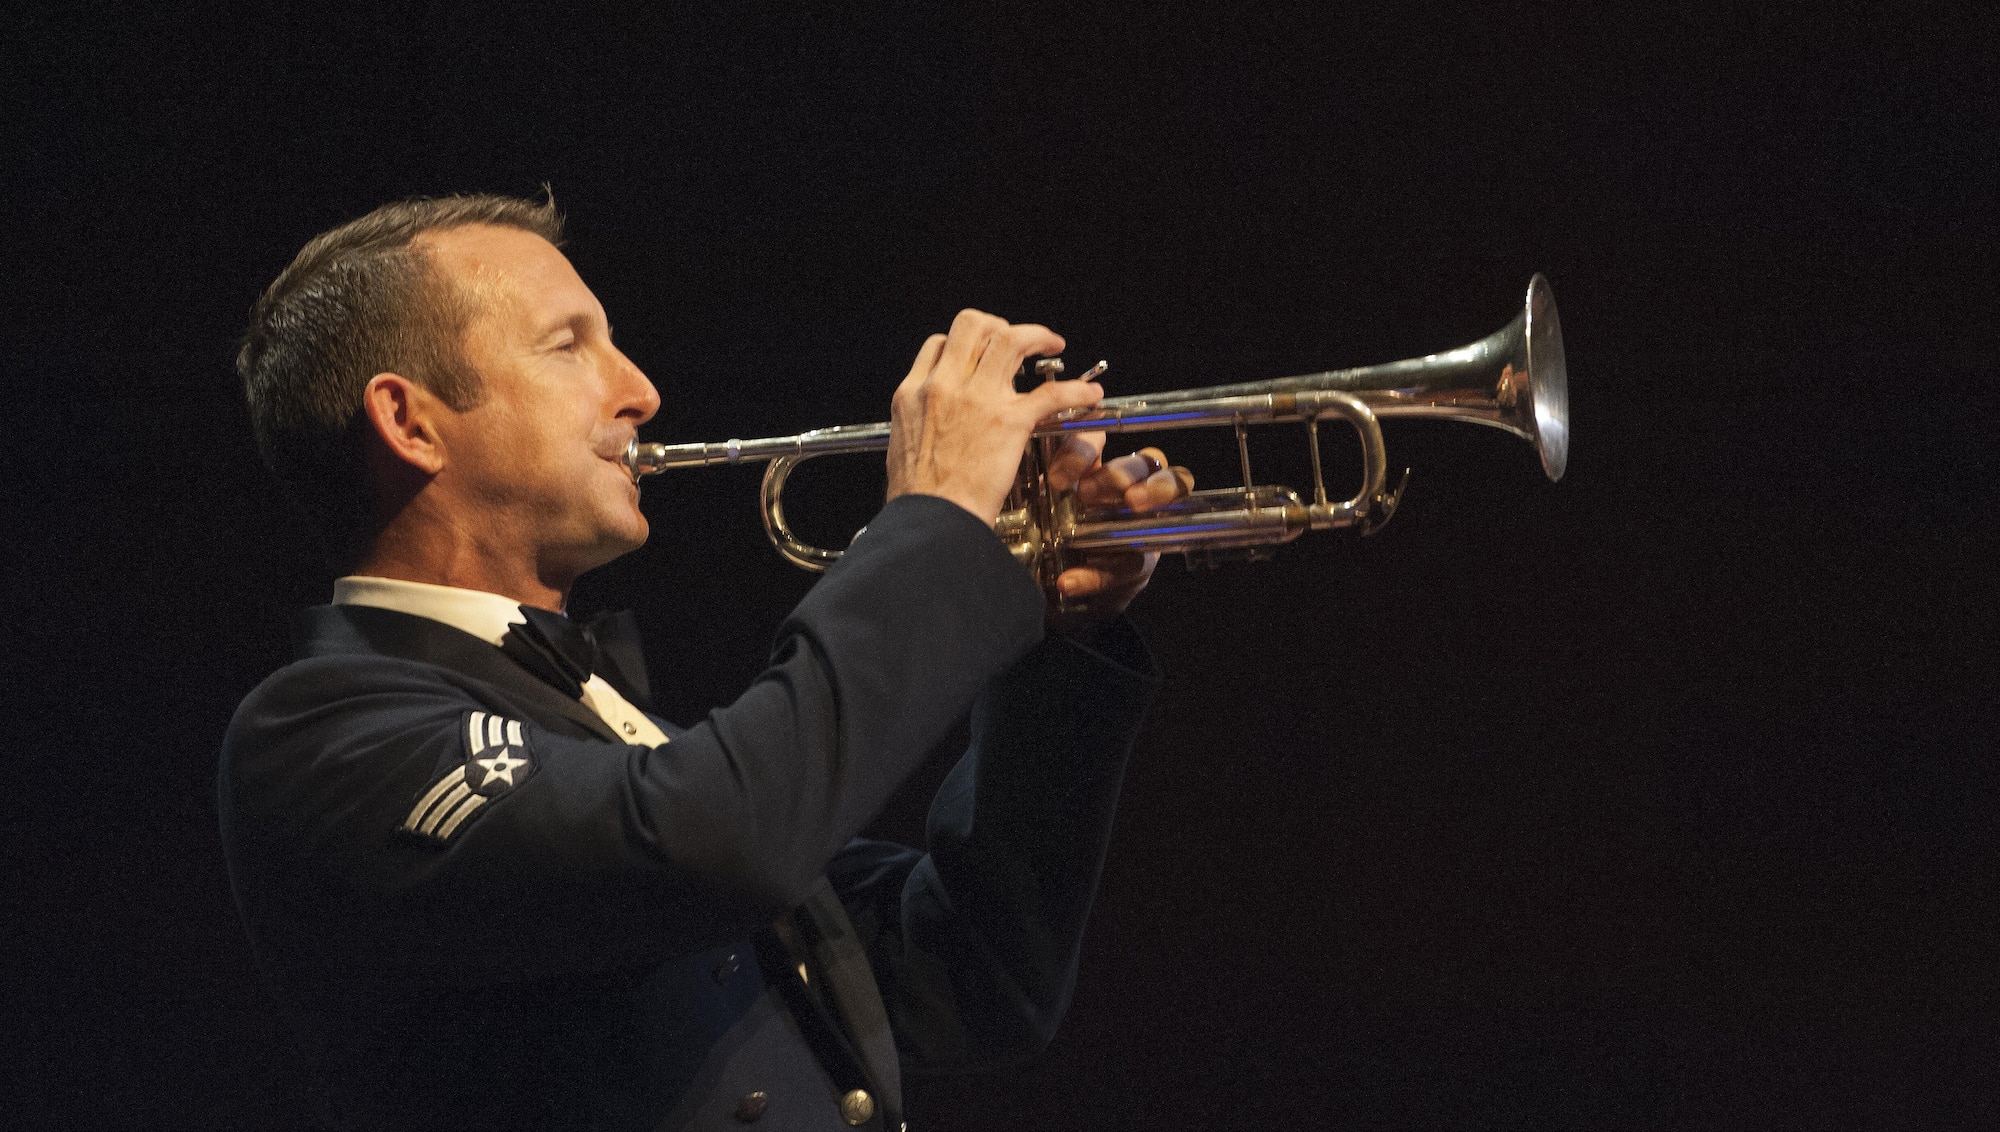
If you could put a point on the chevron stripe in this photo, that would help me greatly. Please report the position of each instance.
(453, 798)
(444, 785)
(464, 811)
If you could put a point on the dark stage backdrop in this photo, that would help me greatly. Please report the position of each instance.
(1661, 796)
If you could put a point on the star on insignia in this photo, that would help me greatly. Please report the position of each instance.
(500, 767)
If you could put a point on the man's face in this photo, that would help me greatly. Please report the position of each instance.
(539, 462)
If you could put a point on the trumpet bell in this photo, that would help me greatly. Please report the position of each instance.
(1548, 377)
(1514, 379)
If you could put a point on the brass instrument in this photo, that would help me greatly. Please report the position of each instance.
(1513, 379)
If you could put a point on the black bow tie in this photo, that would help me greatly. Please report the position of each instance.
(565, 654)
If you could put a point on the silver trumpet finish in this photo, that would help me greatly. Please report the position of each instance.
(1513, 379)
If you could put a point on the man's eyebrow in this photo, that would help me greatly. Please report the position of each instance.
(576, 324)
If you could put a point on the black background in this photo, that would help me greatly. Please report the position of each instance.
(1660, 796)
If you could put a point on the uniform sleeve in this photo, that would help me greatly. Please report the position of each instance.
(602, 850)
(975, 943)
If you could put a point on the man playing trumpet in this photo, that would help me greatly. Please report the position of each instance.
(492, 889)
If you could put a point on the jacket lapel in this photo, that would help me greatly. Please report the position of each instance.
(332, 629)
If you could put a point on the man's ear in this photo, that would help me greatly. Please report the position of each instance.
(404, 415)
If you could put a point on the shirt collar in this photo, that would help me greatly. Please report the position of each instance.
(484, 615)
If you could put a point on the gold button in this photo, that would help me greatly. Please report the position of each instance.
(857, 1107)
(630, 729)
(752, 1106)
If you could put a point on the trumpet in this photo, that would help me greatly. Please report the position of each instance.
(1513, 379)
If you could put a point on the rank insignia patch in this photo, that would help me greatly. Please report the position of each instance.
(496, 760)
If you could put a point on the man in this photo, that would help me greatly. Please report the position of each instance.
(492, 890)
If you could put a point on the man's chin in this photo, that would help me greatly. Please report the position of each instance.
(626, 538)
(638, 537)
(611, 544)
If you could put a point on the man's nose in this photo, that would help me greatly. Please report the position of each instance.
(638, 399)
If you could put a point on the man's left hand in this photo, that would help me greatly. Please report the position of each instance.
(1103, 583)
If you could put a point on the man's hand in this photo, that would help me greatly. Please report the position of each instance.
(1105, 582)
(957, 428)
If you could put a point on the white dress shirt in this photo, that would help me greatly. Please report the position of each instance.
(488, 617)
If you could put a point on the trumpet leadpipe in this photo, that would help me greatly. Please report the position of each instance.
(647, 459)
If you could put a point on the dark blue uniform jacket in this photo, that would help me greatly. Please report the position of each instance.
(482, 909)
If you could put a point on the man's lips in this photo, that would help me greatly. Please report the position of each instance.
(614, 453)
(612, 447)
(624, 470)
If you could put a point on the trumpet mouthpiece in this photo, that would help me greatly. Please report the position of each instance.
(641, 459)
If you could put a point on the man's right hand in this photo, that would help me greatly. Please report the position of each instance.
(958, 428)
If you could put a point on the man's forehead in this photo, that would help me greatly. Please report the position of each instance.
(510, 269)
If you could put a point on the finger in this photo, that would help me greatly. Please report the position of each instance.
(1074, 459)
(1081, 583)
(1123, 471)
(926, 361)
(1051, 397)
(1010, 346)
(1103, 573)
(966, 345)
(1107, 485)
(1159, 489)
